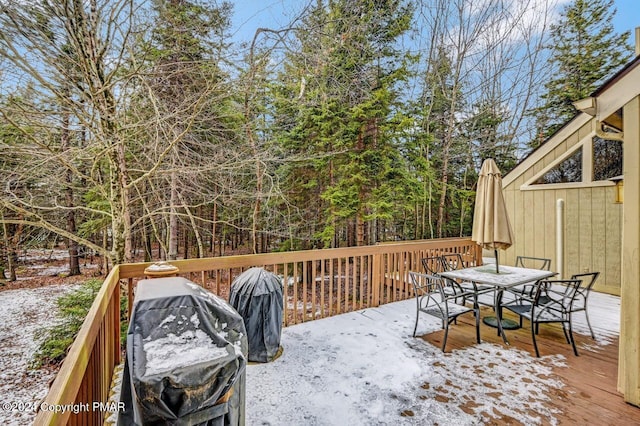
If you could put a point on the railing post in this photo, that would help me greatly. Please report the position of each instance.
(478, 258)
(116, 326)
(376, 279)
(129, 297)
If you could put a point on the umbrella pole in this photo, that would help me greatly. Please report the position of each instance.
(495, 252)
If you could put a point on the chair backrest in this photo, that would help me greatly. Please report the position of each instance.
(432, 265)
(588, 280)
(533, 263)
(452, 262)
(428, 284)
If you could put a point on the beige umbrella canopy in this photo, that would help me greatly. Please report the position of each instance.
(491, 227)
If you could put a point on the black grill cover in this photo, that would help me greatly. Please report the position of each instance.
(186, 348)
(257, 295)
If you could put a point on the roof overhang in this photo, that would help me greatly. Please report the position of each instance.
(586, 105)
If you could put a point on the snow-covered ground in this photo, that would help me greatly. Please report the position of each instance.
(23, 312)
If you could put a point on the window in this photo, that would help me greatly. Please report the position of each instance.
(607, 158)
(592, 161)
(569, 170)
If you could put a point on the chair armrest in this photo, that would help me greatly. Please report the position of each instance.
(421, 289)
(551, 306)
(522, 297)
(560, 295)
(459, 292)
(553, 291)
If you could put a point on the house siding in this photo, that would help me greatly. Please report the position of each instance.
(592, 222)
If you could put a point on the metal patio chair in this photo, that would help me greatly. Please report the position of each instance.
(432, 299)
(555, 308)
(533, 263)
(432, 265)
(582, 295)
(454, 261)
(541, 263)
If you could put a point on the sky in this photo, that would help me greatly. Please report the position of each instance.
(628, 16)
(252, 14)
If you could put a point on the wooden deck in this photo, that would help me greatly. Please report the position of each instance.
(589, 395)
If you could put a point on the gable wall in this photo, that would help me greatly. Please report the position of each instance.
(592, 221)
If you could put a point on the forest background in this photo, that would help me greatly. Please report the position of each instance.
(155, 130)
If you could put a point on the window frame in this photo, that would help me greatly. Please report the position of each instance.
(587, 169)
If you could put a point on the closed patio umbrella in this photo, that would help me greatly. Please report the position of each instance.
(491, 226)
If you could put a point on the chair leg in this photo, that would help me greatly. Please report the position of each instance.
(446, 332)
(573, 342)
(586, 314)
(415, 328)
(476, 312)
(498, 310)
(500, 329)
(533, 337)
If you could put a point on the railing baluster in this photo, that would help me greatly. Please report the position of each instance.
(322, 289)
(339, 284)
(354, 270)
(295, 292)
(331, 279)
(312, 280)
(130, 296)
(285, 293)
(305, 285)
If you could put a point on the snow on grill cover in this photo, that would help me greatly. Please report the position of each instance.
(186, 348)
(257, 295)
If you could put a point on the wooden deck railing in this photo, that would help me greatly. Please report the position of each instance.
(85, 374)
(317, 284)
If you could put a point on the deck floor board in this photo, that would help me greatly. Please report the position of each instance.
(589, 395)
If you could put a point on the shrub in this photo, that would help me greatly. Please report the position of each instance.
(73, 309)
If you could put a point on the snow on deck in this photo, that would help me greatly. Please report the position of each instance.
(365, 368)
(360, 368)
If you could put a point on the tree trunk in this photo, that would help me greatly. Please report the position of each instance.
(121, 222)
(7, 251)
(105, 259)
(186, 244)
(360, 225)
(443, 190)
(148, 254)
(214, 220)
(173, 219)
(12, 259)
(72, 245)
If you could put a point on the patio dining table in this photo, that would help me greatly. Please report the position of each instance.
(509, 276)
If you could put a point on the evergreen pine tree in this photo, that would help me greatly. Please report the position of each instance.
(341, 86)
(585, 50)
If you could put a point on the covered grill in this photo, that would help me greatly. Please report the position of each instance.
(257, 295)
(186, 357)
